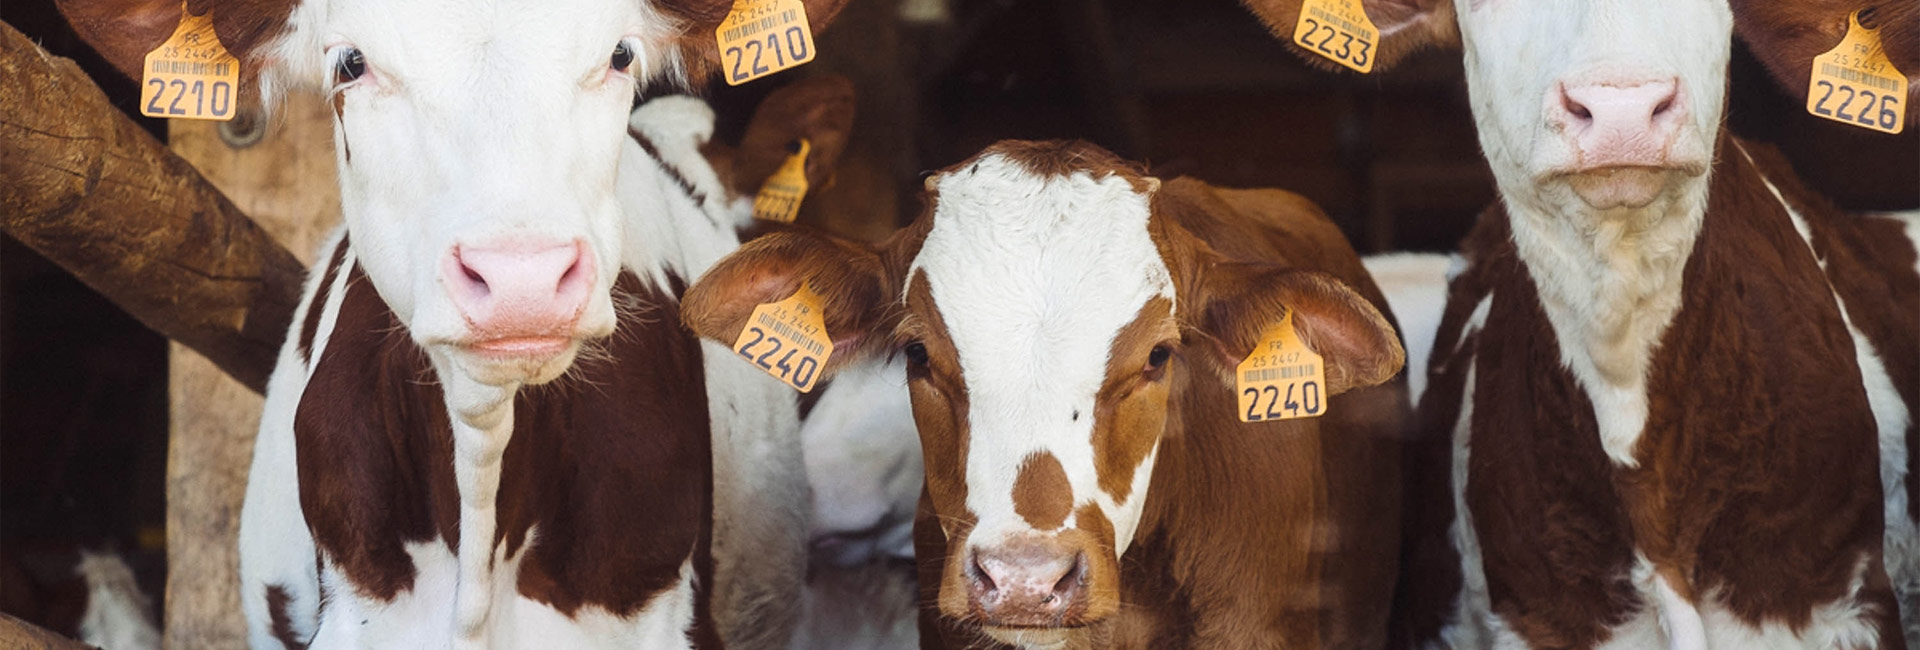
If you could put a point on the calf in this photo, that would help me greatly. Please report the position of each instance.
(1071, 329)
(1679, 387)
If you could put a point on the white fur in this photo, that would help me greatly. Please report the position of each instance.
(864, 463)
(1474, 624)
(1027, 273)
(1678, 618)
(1416, 288)
(118, 615)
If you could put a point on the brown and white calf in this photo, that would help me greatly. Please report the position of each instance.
(1071, 328)
(425, 476)
(1679, 388)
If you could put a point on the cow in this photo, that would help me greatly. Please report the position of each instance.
(1071, 328)
(1677, 386)
(474, 471)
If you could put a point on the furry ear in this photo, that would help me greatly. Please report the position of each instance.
(124, 31)
(849, 276)
(699, 52)
(820, 109)
(1239, 301)
(1788, 36)
(1406, 27)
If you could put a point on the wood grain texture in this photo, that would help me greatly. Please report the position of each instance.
(16, 634)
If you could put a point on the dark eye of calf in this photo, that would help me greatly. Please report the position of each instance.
(916, 353)
(1157, 361)
(351, 66)
(622, 57)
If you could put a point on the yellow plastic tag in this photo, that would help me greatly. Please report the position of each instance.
(1338, 30)
(762, 37)
(788, 339)
(1281, 379)
(191, 76)
(1856, 84)
(779, 197)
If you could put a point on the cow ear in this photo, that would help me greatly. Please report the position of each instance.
(818, 109)
(1788, 36)
(700, 54)
(850, 277)
(1240, 301)
(123, 31)
(1406, 27)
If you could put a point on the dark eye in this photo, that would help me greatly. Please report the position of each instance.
(622, 57)
(352, 64)
(916, 353)
(1157, 359)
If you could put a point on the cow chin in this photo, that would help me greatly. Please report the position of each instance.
(522, 360)
(1028, 637)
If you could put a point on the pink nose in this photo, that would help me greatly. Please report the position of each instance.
(1028, 582)
(1615, 124)
(518, 290)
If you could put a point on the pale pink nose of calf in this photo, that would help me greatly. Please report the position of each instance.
(519, 293)
(1028, 582)
(1616, 124)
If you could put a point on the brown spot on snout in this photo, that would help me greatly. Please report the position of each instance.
(1041, 494)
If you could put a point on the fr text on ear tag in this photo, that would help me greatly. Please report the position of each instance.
(779, 197)
(1856, 84)
(762, 37)
(191, 76)
(788, 339)
(1338, 30)
(1281, 379)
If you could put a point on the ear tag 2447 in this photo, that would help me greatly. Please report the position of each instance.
(1281, 379)
(762, 37)
(779, 197)
(191, 76)
(1338, 30)
(1856, 84)
(788, 339)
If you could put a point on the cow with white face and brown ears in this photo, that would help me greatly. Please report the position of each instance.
(1071, 328)
(486, 428)
(1679, 387)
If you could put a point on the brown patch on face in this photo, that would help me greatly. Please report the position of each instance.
(1041, 493)
(940, 404)
(310, 326)
(282, 622)
(1131, 410)
(1051, 158)
(1093, 532)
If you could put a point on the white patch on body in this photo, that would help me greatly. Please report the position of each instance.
(1415, 285)
(864, 462)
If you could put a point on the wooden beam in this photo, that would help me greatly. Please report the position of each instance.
(16, 634)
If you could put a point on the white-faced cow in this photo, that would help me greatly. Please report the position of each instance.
(1071, 328)
(1679, 387)
(485, 429)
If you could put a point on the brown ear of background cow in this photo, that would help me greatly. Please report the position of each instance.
(849, 276)
(820, 109)
(1788, 35)
(1406, 27)
(699, 50)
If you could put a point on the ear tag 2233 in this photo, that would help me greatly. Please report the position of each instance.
(1338, 30)
(788, 339)
(779, 197)
(191, 76)
(762, 37)
(1856, 84)
(1281, 379)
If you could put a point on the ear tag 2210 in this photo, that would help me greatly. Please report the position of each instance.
(191, 76)
(1856, 84)
(788, 339)
(762, 37)
(1281, 379)
(779, 197)
(1338, 30)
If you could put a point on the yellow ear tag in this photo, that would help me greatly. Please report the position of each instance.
(1281, 379)
(1338, 30)
(788, 339)
(762, 37)
(1856, 84)
(191, 76)
(779, 197)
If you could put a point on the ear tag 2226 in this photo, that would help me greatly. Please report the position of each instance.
(191, 76)
(779, 197)
(1281, 379)
(788, 339)
(1338, 30)
(762, 37)
(1856, 84)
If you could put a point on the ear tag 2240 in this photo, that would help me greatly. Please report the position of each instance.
(762, 37)
(1338, 30)
(1856, 84)
(779, 197)
(1281, 379)
(788, 339)
(191, 76)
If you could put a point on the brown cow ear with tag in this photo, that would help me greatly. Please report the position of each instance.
(849, 277)
(1405, 26)
(700, 55)
(817, 109)
(123, 31)
(1238, 302)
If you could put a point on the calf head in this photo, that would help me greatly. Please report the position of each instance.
(1047, 308)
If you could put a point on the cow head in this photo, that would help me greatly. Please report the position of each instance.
(1046, 309)
(477, 145)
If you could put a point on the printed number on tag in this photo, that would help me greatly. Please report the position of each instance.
(1338, 30)
(191, 76)
(1281, 379)
(762, 37)
(1855, 83)
(779, 197)
(788, 339)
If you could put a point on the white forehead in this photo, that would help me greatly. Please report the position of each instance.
(1538, 42)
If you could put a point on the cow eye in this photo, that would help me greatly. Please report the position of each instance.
(1157, 359)
(916, 353)
(350, 66)
(622, 57)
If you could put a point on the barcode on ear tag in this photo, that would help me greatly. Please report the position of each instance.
(788, 339)
(1856, 84)
(762, 37)
(779, 197)
(191, 76)
(1281, 379)
(1338, 30)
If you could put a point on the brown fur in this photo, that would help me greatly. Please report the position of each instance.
(1425, 24)
(310, 326)
(1788, 36)
(1041, 494)
(282, 623)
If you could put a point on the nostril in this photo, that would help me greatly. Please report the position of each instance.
(1064, 587)
(1573, 106)
(980, 576)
